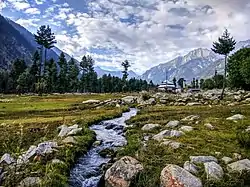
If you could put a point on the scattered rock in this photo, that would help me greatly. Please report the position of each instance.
(186, 128)
(167, 134)
(213, 170)
(46, 148)
(149, 127)
(69, 131)
(69, 140)
(227, 160)
(191, 118)
(172, 124)
(236, 117)
(24, 158)
(202, 159)
(239, 166)
(237, 156)
(209, 126)
(129, 99)
(64, 130)
(248, 129)
(172, 144)
(217, 153)
(30, 182)
(7, 158)
(192, 168)
(173, 175)
(194, 104)
(91, 101)
(74, 131)
(122, 172)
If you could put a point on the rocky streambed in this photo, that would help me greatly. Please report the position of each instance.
(87, 172)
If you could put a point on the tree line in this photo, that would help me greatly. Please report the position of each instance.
(49, 76)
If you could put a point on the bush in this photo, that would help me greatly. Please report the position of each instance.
(145, 96)
(243, 138)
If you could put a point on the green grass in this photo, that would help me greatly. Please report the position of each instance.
(201, 141)
(29, 120)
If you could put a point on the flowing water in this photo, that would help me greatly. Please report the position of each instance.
(87, 170)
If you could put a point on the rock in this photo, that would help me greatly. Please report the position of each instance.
(190, 167)
(186, 128)
(172, 124)
(191, 118)
(46, 148)
(91, 101)
(97, 143)
(213, 170)
(172, 144)
(194, 104)
(238, 98)
(117, 105)
(64, 130)
(74, 131)
(30, 182)
(209, 126)
(227, 160)
(122, 172)
(236, 117)
(69, 140)
(57, 161)
(73, 127)
(151, 101)
(7, 158)
(129, 99)
(239, 166)
(202, 159)
(163, 101)
(107, 153)
(248, 129)
(110, 126)
(173, 175)
(166, 134)
(217, 153)
(149, 127)
(24, 158)
(237, 156)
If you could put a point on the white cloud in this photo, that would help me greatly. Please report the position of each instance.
(28, 23)
(19, 4)
(32, 11)
(40, 2)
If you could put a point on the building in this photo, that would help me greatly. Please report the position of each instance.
(167, 86)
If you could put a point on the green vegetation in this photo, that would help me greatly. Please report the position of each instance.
(30, 120)
(201, 141)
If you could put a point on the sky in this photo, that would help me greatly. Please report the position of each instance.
(145, 32)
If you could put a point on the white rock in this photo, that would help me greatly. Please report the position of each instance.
(129, 99)
(24, 158)
(172, 144)
(194, 104)
(46, 148)
(7, 158)
(213, 170)
(64, 131)
(236, 117)
(91, 101)
(236, 156)
(74, 131)
(57, 161)
(69, 140)
(191, 118)
(227, 160)
(167, 134)
(74, 126)
(239, 166)
(173, 175)
(209, 126)
(149, 127)
(186, 128)
(174, 123)
(190, 167)
(202, 159)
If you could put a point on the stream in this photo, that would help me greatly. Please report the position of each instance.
(87, 170)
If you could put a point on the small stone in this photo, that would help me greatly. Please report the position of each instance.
(167, 133)
(172, 124)
(194, 104)
(69, 140)
(227, 160)
(239, 166)
(202, 159)
(30, 182)
(172, 144)
(236, 117)
(213, 170)
(191, 118)
(149, 127)
(209, 126)
(217, 153)
(7, 158)
(57, 161)
(173, 175)
(236, 156)
(192, 168)
(186, 128)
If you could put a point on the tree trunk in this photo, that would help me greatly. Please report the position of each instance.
(224, 79)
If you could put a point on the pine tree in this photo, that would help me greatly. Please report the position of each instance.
(50, 76)
(23, 82)
(73, 75)
(125, 65)
(181, 82)
(34, 71)
(224, 46)
(63, 74)
(174, 81)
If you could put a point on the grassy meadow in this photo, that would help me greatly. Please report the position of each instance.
(200, 141)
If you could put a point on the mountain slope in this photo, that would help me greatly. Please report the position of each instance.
(100, 72)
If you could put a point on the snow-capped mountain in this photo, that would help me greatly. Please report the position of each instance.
(199, 63)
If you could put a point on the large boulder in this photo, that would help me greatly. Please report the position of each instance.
(239, 166)
(149, 127)
(213, 170)
(236, 117)
(166, 134)
(172, 124)
(122, 172)
(173, 175)
(129, 99)
(202, 159)
(46, 148)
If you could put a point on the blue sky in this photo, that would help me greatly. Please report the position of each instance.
(146, 32)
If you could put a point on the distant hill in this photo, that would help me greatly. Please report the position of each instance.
(101, 72)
